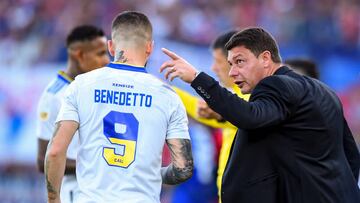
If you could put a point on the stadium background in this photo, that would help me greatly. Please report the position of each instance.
(32, 34)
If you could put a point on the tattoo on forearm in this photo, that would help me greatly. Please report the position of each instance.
(52, 193)
(119, 56)
(182, 166)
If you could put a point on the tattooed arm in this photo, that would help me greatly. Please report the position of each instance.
(56, 158)
(182, 165)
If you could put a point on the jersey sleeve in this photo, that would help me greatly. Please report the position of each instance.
(47, 111)
(178, 125)
(69, 109)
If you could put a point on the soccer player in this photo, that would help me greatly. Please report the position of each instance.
(86, 46)
(124, 116)
(199, 110)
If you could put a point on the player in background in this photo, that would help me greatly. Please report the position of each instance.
(124, 116)
(303, 66)
(199, 110)
(86, 47)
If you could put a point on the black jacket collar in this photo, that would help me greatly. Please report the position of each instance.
(282, 70)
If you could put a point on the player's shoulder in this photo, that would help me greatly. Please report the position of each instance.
(90, 76)
(56, 85)
(162, 86)
(52, 94)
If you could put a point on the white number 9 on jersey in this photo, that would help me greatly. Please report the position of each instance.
(127, 138)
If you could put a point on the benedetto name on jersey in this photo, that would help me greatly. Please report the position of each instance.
(122, 98)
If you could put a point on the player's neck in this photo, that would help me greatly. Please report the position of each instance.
(132, 62)
(131, 57)
(72, 70)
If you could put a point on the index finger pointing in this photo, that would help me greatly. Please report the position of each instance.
(166, 64)
(171, 54)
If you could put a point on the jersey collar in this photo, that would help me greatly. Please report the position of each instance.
(128, 67)
(62, 75)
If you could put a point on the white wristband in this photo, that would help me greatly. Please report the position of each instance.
(197, 73)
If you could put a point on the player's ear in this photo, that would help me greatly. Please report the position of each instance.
(74, 54)
(265, 58)
(149, 48)
(111, 47)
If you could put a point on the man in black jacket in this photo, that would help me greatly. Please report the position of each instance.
(293, 142)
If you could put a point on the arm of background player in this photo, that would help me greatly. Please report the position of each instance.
(48, 109)
(191, 103)
(182, 164)
(70, 167)
(56, 158)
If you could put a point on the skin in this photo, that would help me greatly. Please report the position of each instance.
(82, 57)
(135, 55)
(178, 171)
(177, 67)
(87, 56)
(42, 146)
(204, 111)
(221, 68)
(182, 164)
(247, 70)
(56, 158)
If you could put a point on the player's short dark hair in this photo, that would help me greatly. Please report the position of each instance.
(83, 33)
(133, 23)
(220, 41)
(305, 65)
(257, 40)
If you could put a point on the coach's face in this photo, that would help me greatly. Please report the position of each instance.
(93, 55)
(247, 69)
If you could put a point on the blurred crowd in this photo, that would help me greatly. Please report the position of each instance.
(33, 31)
(32, 34)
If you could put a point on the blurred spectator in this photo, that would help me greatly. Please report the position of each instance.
(32, 29)
(32, 34)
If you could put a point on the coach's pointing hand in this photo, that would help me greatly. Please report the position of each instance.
(178, 67)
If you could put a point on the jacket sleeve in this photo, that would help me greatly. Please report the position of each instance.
(351, 151)
(270, 104)
(191, 102)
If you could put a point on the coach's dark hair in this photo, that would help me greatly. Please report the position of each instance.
(131, 25)
(257, 40)
(83, 33)
(220, 41)
(307, 66)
